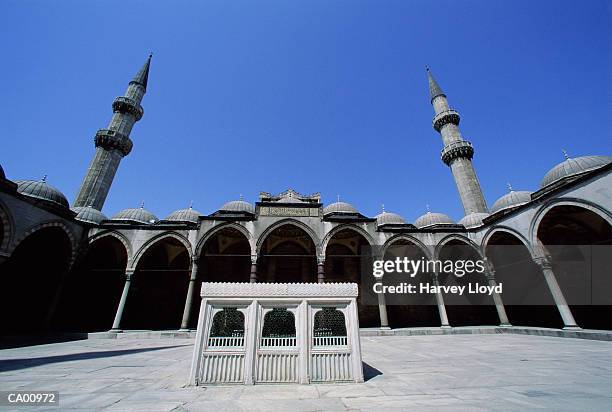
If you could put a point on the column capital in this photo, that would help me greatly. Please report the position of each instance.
(320, 260)
(128, 274)
(254, 259)
(543, 261)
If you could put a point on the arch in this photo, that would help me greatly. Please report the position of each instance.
(329, 235)
(33, 278)
(293, 222)
(124, 240)
(402, 236)
(156, 298)
(53, 223)
(101, 269)
(216, 229)
(409, 310)
(459, 238)
(6, 228)
(158, 238)
(585, 204)
(577, 238)
(505, 229)
(467, 309)
(287, 252)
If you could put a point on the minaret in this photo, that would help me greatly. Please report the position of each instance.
(457, 153)
(114, 143)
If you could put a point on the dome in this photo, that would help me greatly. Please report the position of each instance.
(140, 215)
(432, 219)
(474, 219)
(238, 206)
(511, 199)
(40, 189)
(574, 166)
(88, 215)
(386, 218)
(184, 215)
(340, 207)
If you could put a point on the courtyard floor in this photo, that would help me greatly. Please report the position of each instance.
(451, 372)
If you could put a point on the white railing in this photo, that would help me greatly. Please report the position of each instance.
(330, 341)
(222, 368)
(226, 342)
(278, 342)
(331, 367)
(277, 367)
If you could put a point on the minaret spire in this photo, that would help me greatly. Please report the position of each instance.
(113, 143)
(434, 88)
(457, 152)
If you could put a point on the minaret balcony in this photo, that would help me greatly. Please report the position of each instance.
(444, 118)
(113, 140)
(124, 104)
(454, 150)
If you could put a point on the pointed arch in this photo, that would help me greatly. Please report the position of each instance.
(122, 238)
(585, 204)
(215, 230)
(8, 226)
(293, 222)
(505, 229)
(175, 235)
(402, 236)
(459, 238)
(54, 223)
(329, 235)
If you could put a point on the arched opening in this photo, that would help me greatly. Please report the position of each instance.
(32, 278)
(409, 310)
(225, 257)
(526, 296)
(94, 287)
(156, 299)
(467, 309)
(580, 245)
(287, 255)
(346, 255)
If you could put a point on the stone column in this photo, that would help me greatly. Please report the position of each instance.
(253, 273)
(382, 310)
(499, 304)
(190, 295)
(124, 295)
(557, 294)
(440, 302)
(321, 269)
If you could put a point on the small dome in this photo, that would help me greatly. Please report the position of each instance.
(340, 207)
(474, 219)
(574, 166)
(88, 215)
(184, 215)
(40, 189)
(432, 219)
(386, 218)
(238, 206)
(511, 199)
(140, 215)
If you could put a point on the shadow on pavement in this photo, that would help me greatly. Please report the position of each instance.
(370, 372)
(24, 363)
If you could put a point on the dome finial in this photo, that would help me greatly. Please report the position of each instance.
(241, 197)
(383, 207)
(191, 205)
(338, 198)
(427, 207)
(44, 179)
(142, 204)
(565, 154)
(509, 187)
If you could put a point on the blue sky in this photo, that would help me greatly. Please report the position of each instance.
(319, 95)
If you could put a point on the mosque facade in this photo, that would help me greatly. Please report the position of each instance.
(73, 269)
